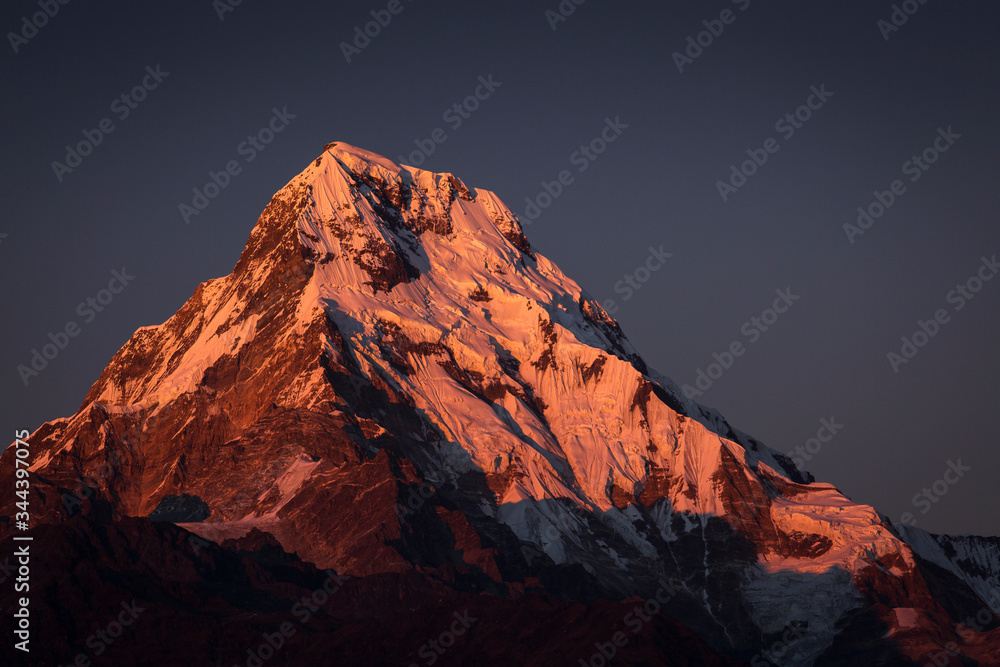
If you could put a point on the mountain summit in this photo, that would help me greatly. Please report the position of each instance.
(392, 382)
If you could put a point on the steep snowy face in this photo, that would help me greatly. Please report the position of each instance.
(436, 289)
(391, 369)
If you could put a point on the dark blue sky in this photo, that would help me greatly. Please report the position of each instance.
(656, 184)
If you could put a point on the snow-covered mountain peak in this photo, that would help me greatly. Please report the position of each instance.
(388, 326)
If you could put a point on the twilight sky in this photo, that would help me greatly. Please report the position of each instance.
(608, 68)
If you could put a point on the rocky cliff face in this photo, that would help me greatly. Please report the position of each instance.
(392, 382)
